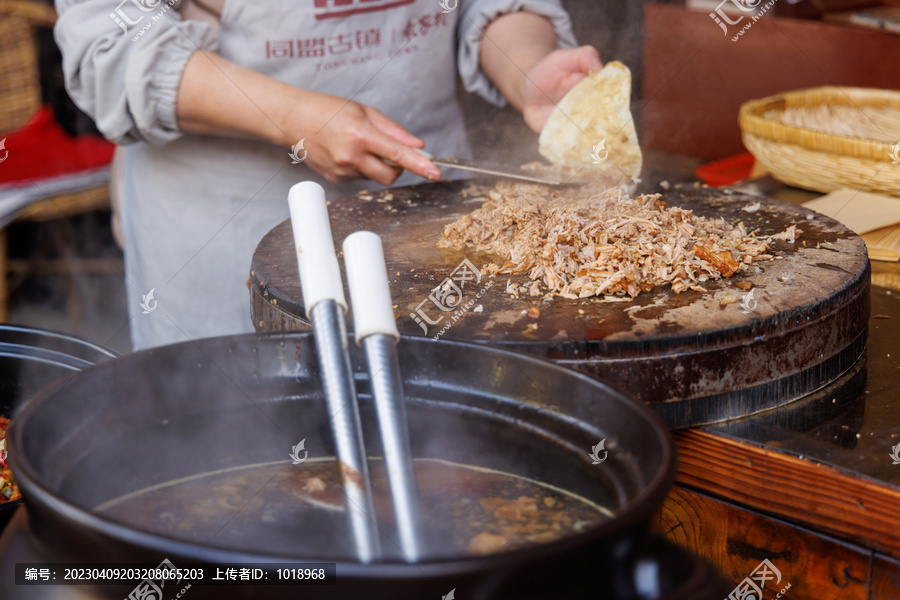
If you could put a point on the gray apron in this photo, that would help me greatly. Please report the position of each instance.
(194, 210)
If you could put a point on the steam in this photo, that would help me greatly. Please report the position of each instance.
(224, 404)
(79, 289)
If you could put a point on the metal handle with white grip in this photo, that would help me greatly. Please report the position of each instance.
(323, 294)
(367, 278)
(376, 332)
(320, 274)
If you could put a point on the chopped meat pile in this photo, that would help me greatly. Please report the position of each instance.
(594, 241)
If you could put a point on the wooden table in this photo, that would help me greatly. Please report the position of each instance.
(810, 486)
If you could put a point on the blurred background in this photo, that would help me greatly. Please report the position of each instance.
(60, 266)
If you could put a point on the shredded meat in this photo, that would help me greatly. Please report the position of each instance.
(520, 510)
(789, 235)
(720, 259)
(314, 484)
(594, 241)
(486, 543)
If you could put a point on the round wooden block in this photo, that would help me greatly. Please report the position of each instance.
(696, 357)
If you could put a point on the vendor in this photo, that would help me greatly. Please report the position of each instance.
(209, 102)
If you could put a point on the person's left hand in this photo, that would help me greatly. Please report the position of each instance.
(550, 78)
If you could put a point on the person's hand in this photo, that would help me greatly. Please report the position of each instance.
(550, 78)
(343, 139)
(355, 140)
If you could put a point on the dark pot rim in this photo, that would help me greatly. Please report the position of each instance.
(57, 348)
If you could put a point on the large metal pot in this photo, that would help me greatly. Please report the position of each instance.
(31, 358)
(193, 408)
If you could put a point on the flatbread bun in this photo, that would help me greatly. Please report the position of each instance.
(594, 118)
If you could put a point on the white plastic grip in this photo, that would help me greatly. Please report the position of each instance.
(320, 276)
(370, 290)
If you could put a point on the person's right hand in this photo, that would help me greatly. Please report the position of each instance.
(354, 141)
(343, 139)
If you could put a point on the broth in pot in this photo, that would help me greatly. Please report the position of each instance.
(297, 509)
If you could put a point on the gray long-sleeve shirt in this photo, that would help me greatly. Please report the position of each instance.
(193, 206)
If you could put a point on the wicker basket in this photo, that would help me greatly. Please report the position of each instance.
(20, 93)
(817, 160)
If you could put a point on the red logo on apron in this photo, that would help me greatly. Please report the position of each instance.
(329, 9)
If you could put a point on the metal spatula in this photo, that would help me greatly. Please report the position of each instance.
(501, 170)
